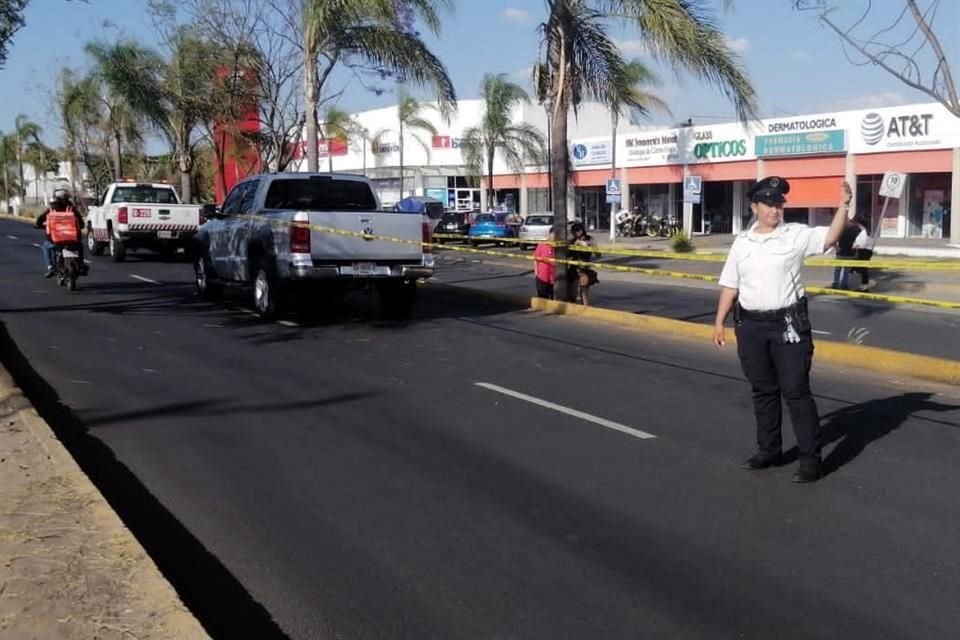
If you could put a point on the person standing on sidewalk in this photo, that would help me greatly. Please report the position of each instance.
(762, 278)
(863, 250)
(544, 268)
(841, 275)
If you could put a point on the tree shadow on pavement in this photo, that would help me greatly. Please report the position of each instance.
(853, 428)
(218, 600)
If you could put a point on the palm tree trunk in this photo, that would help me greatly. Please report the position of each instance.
(23, 187)
(491, 195)
(186, 187)
(310, 105)
(558, 167)
(401, 160)
(117, 158)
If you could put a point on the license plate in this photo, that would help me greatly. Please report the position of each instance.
(165, 234)
(69, 253)
(363, 268)
(451, 227)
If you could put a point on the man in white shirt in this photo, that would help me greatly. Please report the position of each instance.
(762, 276)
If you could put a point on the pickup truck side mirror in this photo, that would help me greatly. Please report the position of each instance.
(210, 211)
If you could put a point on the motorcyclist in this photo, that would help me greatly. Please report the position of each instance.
(63, 202)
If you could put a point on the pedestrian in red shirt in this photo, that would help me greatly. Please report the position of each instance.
(544, 269)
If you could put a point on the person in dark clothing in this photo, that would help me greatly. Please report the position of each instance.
(845, 252)
(61, 202)
(760, 283)
(863, 249)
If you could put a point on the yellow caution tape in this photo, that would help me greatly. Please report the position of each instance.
(606, 266)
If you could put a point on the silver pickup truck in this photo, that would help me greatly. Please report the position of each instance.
(290, 234)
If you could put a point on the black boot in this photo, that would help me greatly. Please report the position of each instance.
(761, 460)
(809, 470)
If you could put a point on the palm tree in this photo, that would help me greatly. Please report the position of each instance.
(24, 132)
(8, 146)
(337, 125)
(376, 33)
(43, 159)
(113, 81)
(497, 132)
(410, 118)
(581, 61)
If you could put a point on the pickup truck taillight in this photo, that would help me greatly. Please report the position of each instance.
(299, 238)
(122, 215)
(427, 236)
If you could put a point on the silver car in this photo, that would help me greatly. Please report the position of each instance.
(536, 228)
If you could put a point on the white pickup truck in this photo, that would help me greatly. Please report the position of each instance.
(312, 234)
(134, 215)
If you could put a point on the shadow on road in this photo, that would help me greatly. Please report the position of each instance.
(855, 427)
(207, 588)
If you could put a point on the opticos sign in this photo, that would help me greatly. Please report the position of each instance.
(722, 149)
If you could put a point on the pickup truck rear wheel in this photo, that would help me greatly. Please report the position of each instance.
(118, 251)
(205, 288)
(267, 295)
(397, 299)
(95, 248)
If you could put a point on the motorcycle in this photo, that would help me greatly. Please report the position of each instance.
(66, 265)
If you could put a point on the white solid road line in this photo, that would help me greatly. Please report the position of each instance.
(822, 333)
(13, 237)
(36, 245)
(603, 422)
(142, 279)
(288, 323)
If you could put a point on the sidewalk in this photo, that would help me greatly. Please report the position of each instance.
(71, 570)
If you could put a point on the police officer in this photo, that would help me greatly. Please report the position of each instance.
(761, 283)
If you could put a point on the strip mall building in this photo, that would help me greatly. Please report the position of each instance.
(815, 152)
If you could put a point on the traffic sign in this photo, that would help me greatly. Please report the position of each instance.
(613, 187)
(693, 184)
(892, 186)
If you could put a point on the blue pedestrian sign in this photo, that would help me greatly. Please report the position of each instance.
(613, 187)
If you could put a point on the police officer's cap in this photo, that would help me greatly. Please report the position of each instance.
(769, 190)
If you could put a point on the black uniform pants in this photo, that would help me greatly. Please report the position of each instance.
(776, 369)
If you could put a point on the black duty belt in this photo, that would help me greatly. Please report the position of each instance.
(774, 315)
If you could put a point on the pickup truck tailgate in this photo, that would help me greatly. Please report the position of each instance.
(328, 246)
(171, 217)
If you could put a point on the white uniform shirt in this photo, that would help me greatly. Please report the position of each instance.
(765, 267)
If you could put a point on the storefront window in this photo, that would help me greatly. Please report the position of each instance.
(651, 198)
(928, 205)
(538, 201)
(870, 204)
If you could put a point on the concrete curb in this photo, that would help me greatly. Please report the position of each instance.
(883, 361)
(131, 596)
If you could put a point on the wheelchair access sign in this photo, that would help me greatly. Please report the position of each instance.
(692, 189)
(613, 191)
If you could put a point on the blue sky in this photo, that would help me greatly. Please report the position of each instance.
(796, 64)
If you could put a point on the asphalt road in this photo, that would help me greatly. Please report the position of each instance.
(915, 329)
(349, 478)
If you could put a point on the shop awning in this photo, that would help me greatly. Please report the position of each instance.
(822, 192)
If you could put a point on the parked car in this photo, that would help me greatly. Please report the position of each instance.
(490, 227)
(452, 223)
(536, 228)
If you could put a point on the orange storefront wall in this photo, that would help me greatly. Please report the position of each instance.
(655, 175)
(937, 161)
